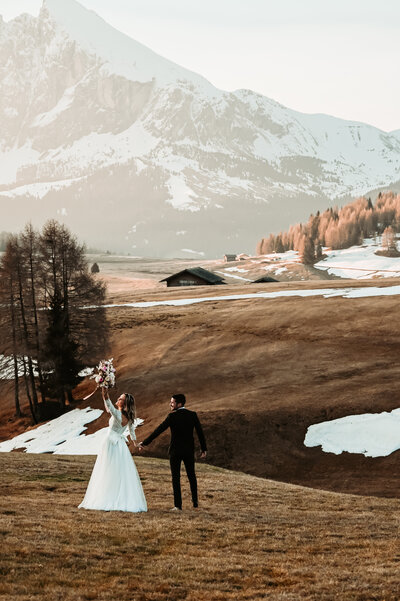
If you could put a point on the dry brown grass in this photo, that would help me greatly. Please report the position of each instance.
(252, 539)
(259, 373)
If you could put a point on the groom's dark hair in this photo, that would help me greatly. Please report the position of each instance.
(180, 399)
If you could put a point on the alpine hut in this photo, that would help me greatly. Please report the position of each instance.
(195, 276)
(263, 279)
(229, 257)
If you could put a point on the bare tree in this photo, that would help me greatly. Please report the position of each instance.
(389, 243)
(29, 241)
(77, 327)
(51, 317)
(25, 313)
(8, 318)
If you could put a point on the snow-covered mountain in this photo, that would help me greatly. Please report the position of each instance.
(136, 153)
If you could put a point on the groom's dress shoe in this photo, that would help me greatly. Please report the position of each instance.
(176, 509)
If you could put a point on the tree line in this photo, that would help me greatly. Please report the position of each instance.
(338, 228)
(52, 322)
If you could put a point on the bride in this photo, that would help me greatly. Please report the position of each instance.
(115, 484)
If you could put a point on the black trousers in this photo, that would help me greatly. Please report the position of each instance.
(175, 461)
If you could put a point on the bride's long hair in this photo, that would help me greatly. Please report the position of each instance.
(130, 408)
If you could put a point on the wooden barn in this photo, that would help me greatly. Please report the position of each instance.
(263, 279)
(229, 258)
(196, 276)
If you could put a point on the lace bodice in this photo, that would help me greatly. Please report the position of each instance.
(115, 422)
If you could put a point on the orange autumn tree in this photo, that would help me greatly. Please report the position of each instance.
(337, 228)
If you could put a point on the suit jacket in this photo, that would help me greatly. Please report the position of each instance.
(182, 424)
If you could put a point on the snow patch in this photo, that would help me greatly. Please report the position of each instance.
(290, 256)
(62, 105)
(39, 190)
(181, 195)
(193, 252)
(12, 159)
(237, 269)
(107, 149)
(235, 277)
(370, 434)
(63, 435)
(360, 262)
(7, 367)
(52, 436)
(367, 292)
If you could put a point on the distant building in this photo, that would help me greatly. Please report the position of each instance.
(264, 279)
(228, 258)
(196, 276)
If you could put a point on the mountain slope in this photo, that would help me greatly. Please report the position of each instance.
(95, 123)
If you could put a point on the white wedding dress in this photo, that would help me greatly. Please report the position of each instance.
(115, 484)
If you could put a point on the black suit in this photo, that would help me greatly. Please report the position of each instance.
(182, 424)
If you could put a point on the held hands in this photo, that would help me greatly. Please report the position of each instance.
(141, 448)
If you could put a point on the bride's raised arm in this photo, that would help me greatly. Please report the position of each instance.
(109, 407)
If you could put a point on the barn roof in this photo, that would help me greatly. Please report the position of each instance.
(264, 278)
(208, 276)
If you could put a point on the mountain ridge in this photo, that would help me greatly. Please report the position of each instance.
(95, 35)
(87, 109)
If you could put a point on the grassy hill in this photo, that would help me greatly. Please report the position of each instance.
(251, 539)
(259, 372)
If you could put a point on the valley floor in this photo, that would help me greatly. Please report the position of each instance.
(252, 539)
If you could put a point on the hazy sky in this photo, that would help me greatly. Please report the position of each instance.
(339, 57)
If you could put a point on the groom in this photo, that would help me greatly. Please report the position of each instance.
(182, 423)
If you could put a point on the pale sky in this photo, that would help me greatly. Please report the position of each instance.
(339, 57)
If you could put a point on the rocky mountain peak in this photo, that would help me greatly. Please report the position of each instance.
(94, 122)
